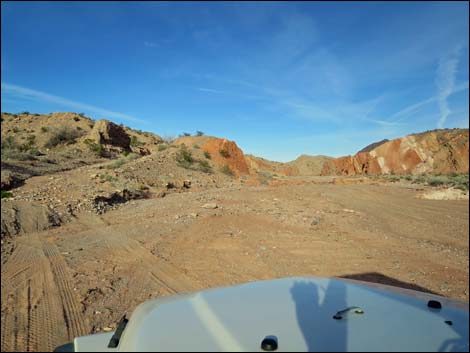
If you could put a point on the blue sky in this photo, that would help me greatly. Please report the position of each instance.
(281, 79)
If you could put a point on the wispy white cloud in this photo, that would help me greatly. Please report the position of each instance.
(445, 81)
(19, 92)
(210, 90)
(384, 122)
(151, 44)
(403, 113)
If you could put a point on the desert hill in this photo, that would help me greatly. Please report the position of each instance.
(443, 151)
(308, 165)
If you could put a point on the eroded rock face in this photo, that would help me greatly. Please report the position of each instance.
(439, 151)
(110, 134)
(226, 152)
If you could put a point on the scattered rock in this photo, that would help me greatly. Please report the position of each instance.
(170, 185)
(210, 205)
(316, 220)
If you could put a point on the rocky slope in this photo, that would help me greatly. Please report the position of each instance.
(442, 151)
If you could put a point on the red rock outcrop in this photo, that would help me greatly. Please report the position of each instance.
(438, 151)
(226, 152)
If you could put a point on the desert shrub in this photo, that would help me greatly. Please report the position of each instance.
(185, 134)
(79, 128)
(394, 178)
(97, 148)
(224, 153)
(18, 155)
(420, 179)
(8, 143)
(199, 133)
(460, 181)
(264, 177)
(125, 153)
(437, 181)
(6, 194)
(82, 115)
(196, 146)
(25, 113)
(408, 177)
(107, 177)
(463, 187)
(16, 130)
(117, 164)
(204, 166)
(184, 158)
(76, 118)
(91, 125)
(226, 170)
(44, 129)
(135, 141)
(162, 147)
(207, 155)
(30, 142)
(63, 135)
(34, 152)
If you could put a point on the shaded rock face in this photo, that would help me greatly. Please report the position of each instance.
(225, 152)
(10, 180)
(439, 151)
(110, 134)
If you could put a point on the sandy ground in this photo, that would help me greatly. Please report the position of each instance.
(82, 277)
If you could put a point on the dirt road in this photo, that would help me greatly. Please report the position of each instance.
(83, 276)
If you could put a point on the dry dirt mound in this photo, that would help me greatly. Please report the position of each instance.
(20, 217)
(439, 151)
(308, 165)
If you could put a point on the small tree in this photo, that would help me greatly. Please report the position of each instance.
(199, 133)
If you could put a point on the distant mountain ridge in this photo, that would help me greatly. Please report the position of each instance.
(370, 147)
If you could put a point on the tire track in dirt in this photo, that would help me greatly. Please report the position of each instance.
(18, 268)
(36, 291)
(161, 272)
(74, 320)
